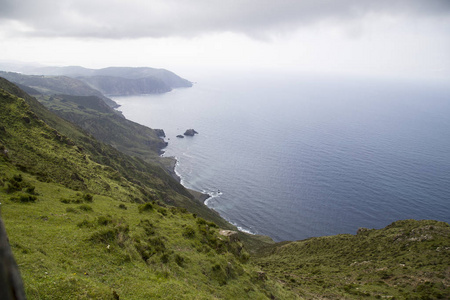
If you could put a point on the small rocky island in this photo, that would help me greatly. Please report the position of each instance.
(190, 132)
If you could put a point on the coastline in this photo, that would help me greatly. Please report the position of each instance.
(203, 197)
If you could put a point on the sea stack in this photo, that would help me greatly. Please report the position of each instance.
(190, 132)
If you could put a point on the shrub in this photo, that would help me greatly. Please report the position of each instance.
(201, 221)
(85, 223)
(14, 186)
(71, 210)
(157, 244)
(145, 207)
(107, 235)
(88, 198)
(123, 206)
(179, 260)
(164, 258)
(189, 232)
(103, 221)
(24, 198)
(85, 207)
(147, 226)
(31, 190)
(144, 250)
(162, 211)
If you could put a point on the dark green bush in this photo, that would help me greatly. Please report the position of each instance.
(88, 198)
(164, 258)
(85, 223)
(147, 226)
(104, 220)
(13, 186)
(162, 211)
(24, 198)
(107, 235)
(123, 206)
(145, 207)
(71, 210)
(179, 260)
(158, 244)
(85, 207)
(201, 221)
(189, 232)
(144, 250)
(31, 190)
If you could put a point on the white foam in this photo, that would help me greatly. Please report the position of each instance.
(212, 194)
(245, 230)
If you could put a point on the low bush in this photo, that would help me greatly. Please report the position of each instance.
(189, 232)
(147, 226)
(71, 210)
(104, 220)
(88, 198)
(164, 258)
(85, 207)
(23, 198)
(179, 260)
(107, 235)
(145, 207)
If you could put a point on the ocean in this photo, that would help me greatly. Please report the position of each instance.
(294, 157)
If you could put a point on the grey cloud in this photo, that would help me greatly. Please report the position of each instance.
(160, 18)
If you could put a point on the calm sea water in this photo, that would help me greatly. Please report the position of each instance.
(294, 157)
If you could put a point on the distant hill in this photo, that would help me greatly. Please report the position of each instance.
(50, 85)
(119, 86)
(118, 81)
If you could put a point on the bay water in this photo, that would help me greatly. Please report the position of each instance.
(294, 157)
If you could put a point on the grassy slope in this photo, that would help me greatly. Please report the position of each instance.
(406, 260)
(60, 236)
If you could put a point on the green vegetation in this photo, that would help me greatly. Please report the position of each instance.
(406, 260)
(87, 221)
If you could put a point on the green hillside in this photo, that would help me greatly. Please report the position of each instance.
(406, 260)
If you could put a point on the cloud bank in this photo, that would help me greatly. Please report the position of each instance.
(115, 19)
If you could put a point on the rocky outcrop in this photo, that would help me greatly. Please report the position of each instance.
(230, 234)
(160, 133)
(180, 136)
(190, 132)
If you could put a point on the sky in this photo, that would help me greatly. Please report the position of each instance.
(381, 38)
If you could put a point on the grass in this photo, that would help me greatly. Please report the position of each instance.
(95, 252)
(406, 260)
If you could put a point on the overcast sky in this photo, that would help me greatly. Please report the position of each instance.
(395, 38)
